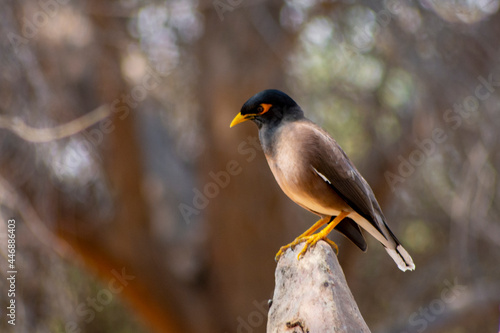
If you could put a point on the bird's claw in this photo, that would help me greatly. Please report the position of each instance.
(332, 244)
(292, 245)
(310, 242)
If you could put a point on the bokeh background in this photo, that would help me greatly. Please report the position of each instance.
(138, 210)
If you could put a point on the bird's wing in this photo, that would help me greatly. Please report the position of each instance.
(331, 163)
(351, 230)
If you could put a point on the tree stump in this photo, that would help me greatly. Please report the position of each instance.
(311, 295)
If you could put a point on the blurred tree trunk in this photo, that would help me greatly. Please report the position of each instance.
(243, 240)
(125, 241)
(121, 244)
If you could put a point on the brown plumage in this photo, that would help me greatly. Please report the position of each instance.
(313, 171)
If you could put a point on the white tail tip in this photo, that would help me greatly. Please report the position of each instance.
(402, 258)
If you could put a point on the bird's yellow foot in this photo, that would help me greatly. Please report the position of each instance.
(292, 245)
(310, 241)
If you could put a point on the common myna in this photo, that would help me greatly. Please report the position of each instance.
(313, 171)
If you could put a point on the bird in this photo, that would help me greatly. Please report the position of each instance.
(314, 172)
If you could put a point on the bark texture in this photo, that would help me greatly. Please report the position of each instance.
(311, 294)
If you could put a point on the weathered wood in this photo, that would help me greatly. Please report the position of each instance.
(311, 295)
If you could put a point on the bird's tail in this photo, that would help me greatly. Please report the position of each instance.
(398, 252)
(401, 257)
(385, 236)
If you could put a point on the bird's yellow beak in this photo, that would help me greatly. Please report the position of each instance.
(239, 119)
(263, 108)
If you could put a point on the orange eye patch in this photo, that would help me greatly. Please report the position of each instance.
(263, 108)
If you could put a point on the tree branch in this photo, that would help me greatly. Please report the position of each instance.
(32, 134)
(311, 295)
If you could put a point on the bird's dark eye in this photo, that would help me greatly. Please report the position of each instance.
(260, 109)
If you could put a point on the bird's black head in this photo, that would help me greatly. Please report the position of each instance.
(268, 106)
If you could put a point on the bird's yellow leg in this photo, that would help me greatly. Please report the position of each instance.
(323, 235)
(301, 238)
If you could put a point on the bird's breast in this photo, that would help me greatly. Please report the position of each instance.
(293, 172)
(318, 201)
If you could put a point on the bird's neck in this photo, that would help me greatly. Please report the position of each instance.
(269, 130)
(267, 136)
